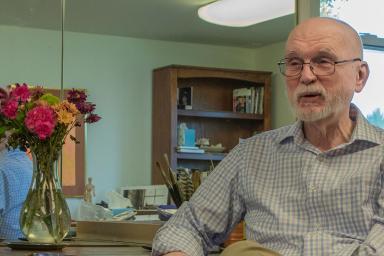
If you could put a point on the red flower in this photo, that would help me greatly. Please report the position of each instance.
(21, 92)
(41, 121)
(9, 109)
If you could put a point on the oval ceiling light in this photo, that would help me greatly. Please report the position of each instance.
(242, 13)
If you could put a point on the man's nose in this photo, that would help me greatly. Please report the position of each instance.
(307, 76)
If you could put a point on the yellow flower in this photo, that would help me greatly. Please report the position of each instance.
(41, 103)
(65, 117)
(66, 112)
(67, 106)
(72, 107)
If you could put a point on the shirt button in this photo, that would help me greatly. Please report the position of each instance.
(312, 188)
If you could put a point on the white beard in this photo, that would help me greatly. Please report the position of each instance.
(333, 104)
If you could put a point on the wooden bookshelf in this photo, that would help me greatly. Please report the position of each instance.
(211, 115)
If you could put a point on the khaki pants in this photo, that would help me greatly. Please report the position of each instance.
(248, 248)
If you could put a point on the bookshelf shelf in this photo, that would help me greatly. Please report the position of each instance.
(205, 156)
(211, 116)
(219, 114)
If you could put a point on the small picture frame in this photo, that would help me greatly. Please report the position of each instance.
(184, 98)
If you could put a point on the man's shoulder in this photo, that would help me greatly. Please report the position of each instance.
(271, 136)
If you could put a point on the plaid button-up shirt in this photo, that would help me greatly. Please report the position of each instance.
(15, 179)
(294, 198)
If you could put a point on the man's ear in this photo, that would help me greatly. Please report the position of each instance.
(362, 76)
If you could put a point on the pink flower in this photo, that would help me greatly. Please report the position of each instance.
(9, 109)
(41, 121)
(21, 92)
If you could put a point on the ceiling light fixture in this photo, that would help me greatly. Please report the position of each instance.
(242, 13)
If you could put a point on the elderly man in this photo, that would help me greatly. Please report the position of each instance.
(311, 188)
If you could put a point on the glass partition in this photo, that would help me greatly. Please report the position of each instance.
(110, 50)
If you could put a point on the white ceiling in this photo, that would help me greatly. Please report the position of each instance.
(171, 20)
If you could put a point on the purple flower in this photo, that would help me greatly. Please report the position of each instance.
(37, 92)
(85, 107)
(76, 96)
(92, 118)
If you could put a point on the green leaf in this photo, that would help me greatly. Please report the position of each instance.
(50, 99)
(29, 105)
(20, 116)
(2, 131)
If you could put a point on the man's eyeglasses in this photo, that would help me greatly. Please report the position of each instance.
(292, 67)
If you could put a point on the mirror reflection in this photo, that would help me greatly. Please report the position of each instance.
(110, 49)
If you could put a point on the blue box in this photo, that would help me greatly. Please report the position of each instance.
(190, 137)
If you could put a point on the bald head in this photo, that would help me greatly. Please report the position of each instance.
(324, 87)
(321, 27)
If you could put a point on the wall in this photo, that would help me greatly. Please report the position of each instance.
(267, 58)
(29, 55)
(117, 72)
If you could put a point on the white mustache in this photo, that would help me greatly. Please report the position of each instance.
(305, 90)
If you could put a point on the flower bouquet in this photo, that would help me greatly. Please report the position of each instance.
(40, 122)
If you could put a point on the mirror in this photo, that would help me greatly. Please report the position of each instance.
(111, 48)
(30, 44)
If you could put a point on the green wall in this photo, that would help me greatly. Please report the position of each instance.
(117, 72)
(267, 58)
(29, 55)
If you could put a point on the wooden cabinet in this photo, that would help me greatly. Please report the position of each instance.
(211, 115)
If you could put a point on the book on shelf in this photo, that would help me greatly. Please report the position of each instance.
(190, 150)
(248, 100)
(186, 147)
(242, 100)
(261, 101)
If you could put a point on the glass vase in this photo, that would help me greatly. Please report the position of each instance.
(45, 217)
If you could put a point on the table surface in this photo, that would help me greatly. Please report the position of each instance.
(85, 249)
(82, 251)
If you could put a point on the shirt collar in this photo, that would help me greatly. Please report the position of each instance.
(363, 130)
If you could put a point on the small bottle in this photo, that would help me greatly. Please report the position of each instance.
(181, 134)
